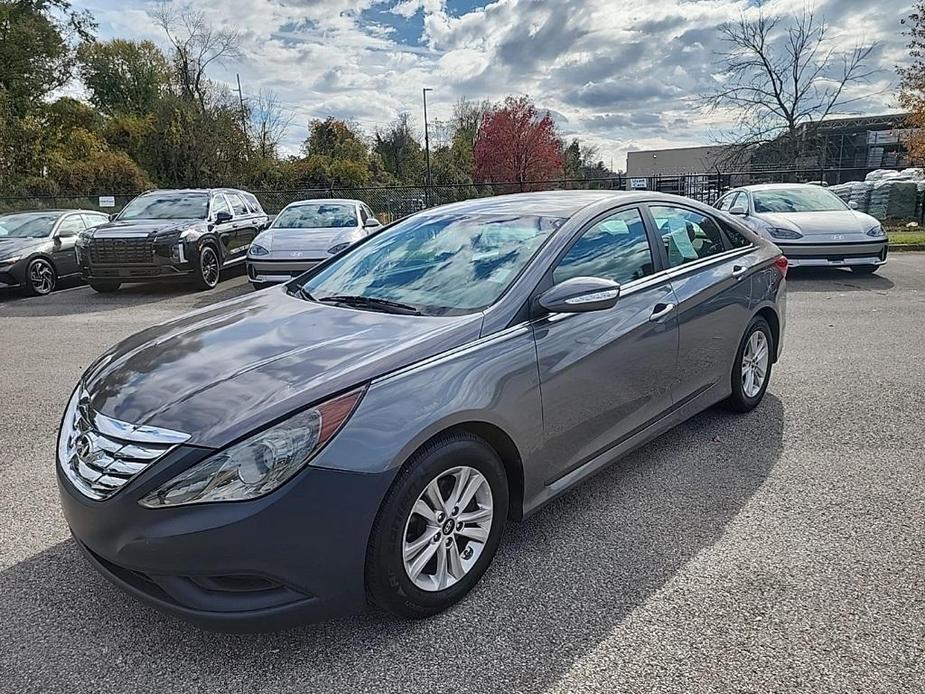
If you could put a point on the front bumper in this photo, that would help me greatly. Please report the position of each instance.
(297, 555)
(140, 260)
(263, 271)
(834, 254)
(13, 274)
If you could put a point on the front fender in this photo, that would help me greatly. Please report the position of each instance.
(493, 380)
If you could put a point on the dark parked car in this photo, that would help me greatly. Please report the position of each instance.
(37, 248)
(362, 433)
(166, 235)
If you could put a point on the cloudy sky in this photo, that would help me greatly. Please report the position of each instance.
(618, 74)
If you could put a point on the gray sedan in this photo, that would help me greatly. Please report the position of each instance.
(810, 224)
(363, 433)
(38, 248)
(305, 234)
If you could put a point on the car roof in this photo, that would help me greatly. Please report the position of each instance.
(58, 212)
(554, 203)
(316, 201)
(776, 186)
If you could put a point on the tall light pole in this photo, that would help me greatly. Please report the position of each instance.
(427, 181)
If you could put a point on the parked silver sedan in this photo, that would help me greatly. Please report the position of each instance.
(305, 234)
(810, 224)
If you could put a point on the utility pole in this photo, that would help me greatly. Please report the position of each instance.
(427, 182)
(241, 102)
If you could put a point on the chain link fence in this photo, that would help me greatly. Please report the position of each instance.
(392, 202)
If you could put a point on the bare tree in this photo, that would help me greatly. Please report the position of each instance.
(776, 79)
(268, 123)
(196, 45)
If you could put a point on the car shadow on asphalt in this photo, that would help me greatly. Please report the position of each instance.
(834, 279)
(82, 299)
(561, 583)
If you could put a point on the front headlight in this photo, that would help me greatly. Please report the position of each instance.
(778, 233)
(257, 250)
(339, 248)
(261, 463)
(9, 261)
(877, 232)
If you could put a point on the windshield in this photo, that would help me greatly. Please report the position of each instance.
(23, 226)
(167, 206)
(809, 199)
(439, 264)
(316, 217)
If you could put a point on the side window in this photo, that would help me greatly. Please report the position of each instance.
(219, 204)
(727, 202)
(71, 226)
(364, 215)
(615, 248)
(252, 203)
(736, 240)
(687, 235)
(237, 204)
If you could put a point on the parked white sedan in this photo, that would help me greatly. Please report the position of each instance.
(305, 234)
(811, 225)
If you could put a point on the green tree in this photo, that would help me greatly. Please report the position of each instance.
(401, 154)
(336, 139)
(124, 77)
(37, 51)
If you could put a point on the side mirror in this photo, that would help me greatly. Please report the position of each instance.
(113, 216)
(222, 217)
(580, 295)
(738, 210)
(372, 223)
(853, 204)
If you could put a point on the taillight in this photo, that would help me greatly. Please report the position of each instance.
(781, 264)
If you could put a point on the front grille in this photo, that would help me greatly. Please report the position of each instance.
(121, 251)
(99, 454)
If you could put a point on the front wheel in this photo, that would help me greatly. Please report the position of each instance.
(209, 268)
(865, 269)
(40, 278)
(104, 287)
(751, 370)
(438, 528)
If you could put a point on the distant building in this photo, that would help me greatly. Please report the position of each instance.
(858, 143)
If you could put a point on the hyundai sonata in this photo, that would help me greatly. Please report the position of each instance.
(361, 434)
(810, 224)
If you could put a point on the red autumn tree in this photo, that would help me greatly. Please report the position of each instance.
(517, 144)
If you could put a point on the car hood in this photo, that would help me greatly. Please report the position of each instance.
(222, 372)
(284, 240)
(143, 227)
(810, 223)
(11, 247)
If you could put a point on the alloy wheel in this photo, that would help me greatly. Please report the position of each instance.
(755, 361)
(447, 528)
(208, 263)
(41, 277)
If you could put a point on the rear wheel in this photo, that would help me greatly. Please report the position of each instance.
(438, 528)
(104, 287)
(751, 370)
(865, 269)
(40, 278)
(209, 268)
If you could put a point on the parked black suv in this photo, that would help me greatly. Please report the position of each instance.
(170, 235)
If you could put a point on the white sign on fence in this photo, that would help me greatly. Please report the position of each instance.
(638, 183)
(107, 201)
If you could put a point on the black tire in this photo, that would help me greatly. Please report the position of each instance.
(105, 287)
(865, 269)
(740, 401)
(41, 278)
(261, 285)
(387, 583)
(208, 268)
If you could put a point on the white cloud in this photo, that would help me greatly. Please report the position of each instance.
(619, 74)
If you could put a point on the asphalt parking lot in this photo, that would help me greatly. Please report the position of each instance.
(783, 550)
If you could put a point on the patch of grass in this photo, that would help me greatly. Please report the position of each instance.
(904, 237)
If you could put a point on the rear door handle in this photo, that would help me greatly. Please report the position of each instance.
(661, 310)
(738, 271)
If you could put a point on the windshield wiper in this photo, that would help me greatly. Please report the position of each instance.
(372, 303)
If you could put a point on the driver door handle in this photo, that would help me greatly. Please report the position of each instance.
(660, 311)
(738, 271)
